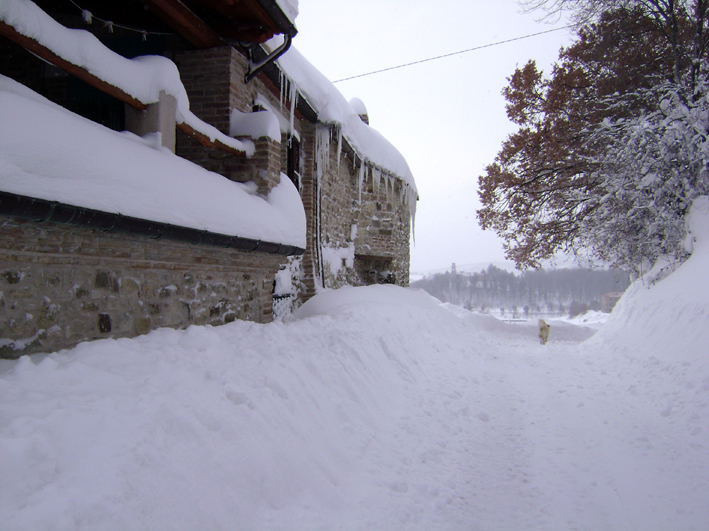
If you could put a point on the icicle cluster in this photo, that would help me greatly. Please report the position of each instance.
(407, 195)
(289, 93)
(322, 150)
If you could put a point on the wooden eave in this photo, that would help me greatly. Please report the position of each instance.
(210, 23)
(185, 22)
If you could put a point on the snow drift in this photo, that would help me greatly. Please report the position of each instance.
(373, 408)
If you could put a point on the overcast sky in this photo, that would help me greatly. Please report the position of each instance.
(447, 117)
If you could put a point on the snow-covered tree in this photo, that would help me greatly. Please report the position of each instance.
(655, 165)
(610, 149)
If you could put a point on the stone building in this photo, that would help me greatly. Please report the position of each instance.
(107, 234)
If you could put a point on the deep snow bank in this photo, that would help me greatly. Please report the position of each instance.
(243, 426)
(668, 318)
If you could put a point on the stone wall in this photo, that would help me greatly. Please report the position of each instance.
(213, 79)
(60, 285)
(383, 230)
(382, 220)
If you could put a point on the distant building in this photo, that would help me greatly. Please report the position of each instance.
(609, 300)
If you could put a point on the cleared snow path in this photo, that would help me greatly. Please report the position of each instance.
(377, 408)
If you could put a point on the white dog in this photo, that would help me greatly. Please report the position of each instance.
(543, 332)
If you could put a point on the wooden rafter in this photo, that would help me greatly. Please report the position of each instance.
(206, 141)
(178, 16)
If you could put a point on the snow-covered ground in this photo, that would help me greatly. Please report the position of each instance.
(373, 408)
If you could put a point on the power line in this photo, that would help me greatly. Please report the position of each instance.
(451, 54)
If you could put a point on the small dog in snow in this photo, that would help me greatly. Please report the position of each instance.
(543, 332)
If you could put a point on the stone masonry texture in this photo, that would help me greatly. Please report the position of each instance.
(60, 285)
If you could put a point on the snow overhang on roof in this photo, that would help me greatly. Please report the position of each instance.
(331, 107)
(57, 166)
(137, 82)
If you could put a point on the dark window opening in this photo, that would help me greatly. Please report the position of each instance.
(293, 162)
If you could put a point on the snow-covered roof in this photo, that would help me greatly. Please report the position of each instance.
(142, 77)
(289, 8)
(358, 106)
(50, 153)
(332, 107)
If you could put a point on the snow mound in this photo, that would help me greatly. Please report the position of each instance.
(668, 317)
(590, 318)
(349, 300)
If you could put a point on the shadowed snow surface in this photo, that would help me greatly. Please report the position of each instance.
(373, 408)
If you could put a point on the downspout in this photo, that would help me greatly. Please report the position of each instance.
(254, 69)
(318, 221)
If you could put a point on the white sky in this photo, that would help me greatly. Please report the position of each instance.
(447, 117)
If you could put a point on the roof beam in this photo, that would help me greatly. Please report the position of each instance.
(179, 17)
(206, 141)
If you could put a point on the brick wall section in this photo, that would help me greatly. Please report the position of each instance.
(214, 81)
(60, 285)
(308, 194)
(205, 75)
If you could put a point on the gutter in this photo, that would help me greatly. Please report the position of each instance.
(254, 69)
(273, 72)
(276, 14)
(41, 211)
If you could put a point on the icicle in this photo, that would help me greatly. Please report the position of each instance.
(322, 150)
(322, 161)
(145, 35)
(376, 176)
(293, 94)
(362, 168)
(108, 24)
(338, 130)
(87, 16)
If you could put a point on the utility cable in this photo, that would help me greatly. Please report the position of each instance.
(451, 54)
